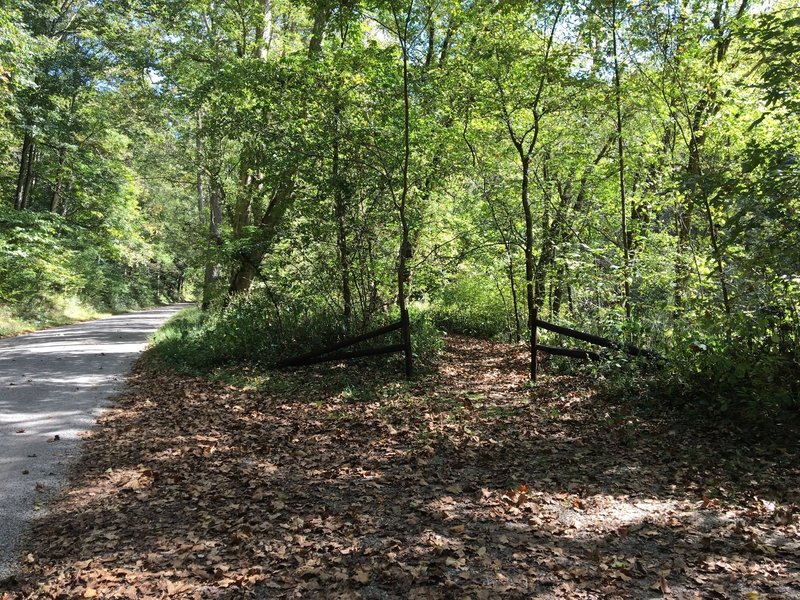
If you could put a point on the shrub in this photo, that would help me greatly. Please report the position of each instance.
(471, 305)
(251, 330)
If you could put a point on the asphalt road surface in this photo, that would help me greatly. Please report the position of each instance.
(53, 385)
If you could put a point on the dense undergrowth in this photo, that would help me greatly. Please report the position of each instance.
(745, 382)
(54, 270)
(251, 330)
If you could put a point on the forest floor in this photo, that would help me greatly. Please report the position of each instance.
(348, 482)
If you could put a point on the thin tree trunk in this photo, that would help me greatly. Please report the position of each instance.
(403, 272)
(198, 157)
(626, 301)
(55, 199)
(558, 290)
(529, 278)
(20, 200)
(723, 281)
(30, 179)
(340, 196)
(212, 271)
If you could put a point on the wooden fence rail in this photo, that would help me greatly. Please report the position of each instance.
(578, 352)
(329, 353)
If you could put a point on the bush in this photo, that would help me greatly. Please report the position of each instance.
(471, 305)
(735, 381)
(250, 330)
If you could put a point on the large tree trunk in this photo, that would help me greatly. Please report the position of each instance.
(250, 262)
(318, 31)
(264, 30)
(248, 269)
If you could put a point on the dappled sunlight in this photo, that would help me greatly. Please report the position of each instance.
(367, 486)
(53, 385)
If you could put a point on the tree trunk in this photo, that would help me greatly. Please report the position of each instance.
(684, 223)
(529, 279)
(341, 196)
(20, 198)
(318, 31)
(626, 258)
(403, 271)
(30, 179)
(55, 199)
(558, 290)
(215, 236)
(198, 158)
(264, 31)
(249, 264)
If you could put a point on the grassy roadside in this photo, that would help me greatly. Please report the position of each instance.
(16, 320)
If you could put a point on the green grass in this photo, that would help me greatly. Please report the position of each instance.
(174, 344)
(15, 320)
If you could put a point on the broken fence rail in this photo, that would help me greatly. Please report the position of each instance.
(329, 352)
(590, 338)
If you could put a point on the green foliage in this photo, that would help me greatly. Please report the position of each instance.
(45, 260)
(472, 305)
(275, 154)
(736, 382)
(250, 330)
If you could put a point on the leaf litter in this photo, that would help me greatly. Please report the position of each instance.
(345, 481)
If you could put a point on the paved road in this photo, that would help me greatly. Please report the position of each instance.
(53, 385)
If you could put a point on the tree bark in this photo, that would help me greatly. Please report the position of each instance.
(198, 159)
(341, 196)
(626, 258)
(55, 198)
(250, 261)
(529, 274)
(403, 272)
(30, 179)
(20, 198)
(212, 272)
(264, 31)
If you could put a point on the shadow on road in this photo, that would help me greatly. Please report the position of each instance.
(53, 384)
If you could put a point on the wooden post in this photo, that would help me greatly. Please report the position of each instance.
(405, 332)
(534, 342)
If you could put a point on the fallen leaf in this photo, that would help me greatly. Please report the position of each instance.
(361, 576)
